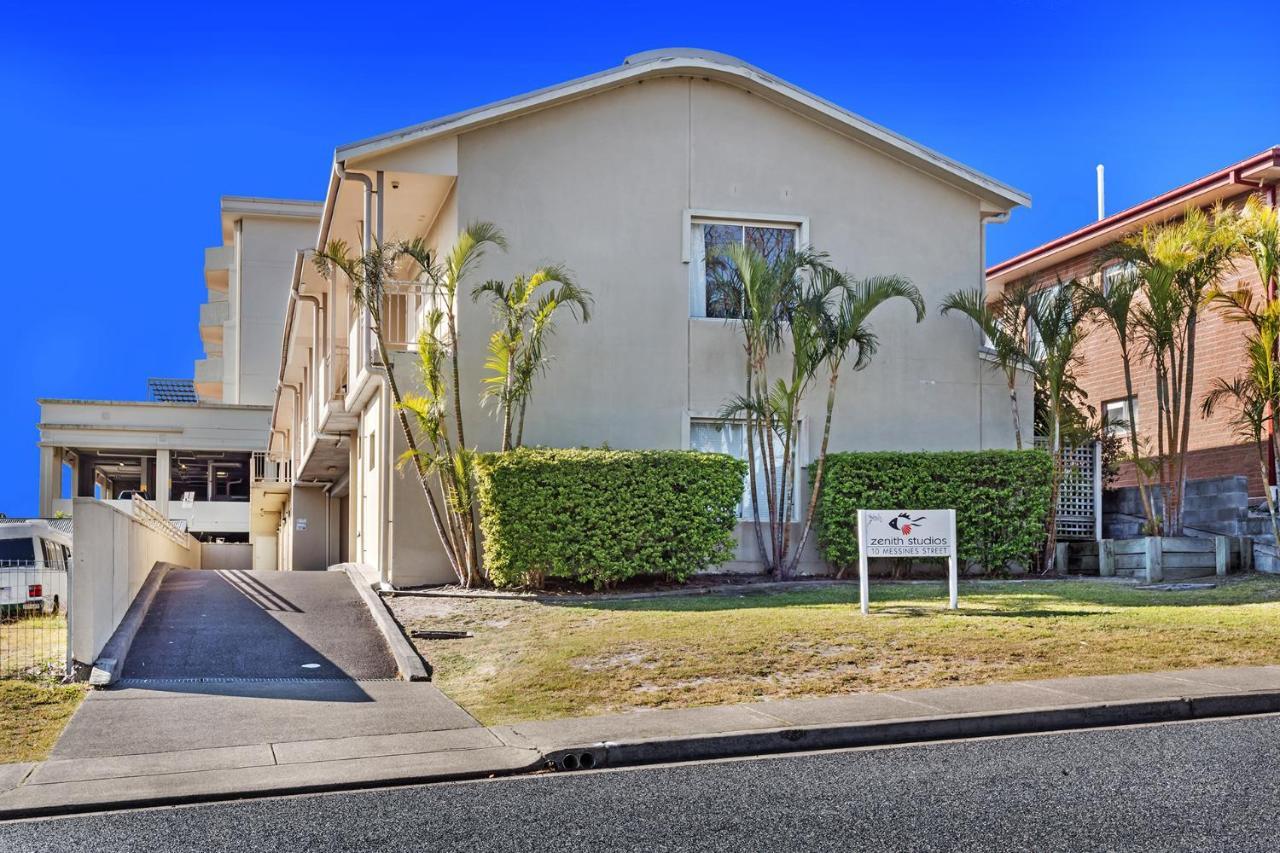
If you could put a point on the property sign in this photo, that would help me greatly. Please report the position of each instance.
(908, 533)
(188, 500)
(300, 524)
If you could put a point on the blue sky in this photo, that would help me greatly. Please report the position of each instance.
(125, 122)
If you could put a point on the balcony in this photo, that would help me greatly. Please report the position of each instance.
(212, 317)
(270, 472)
(218, 261)
(209, 373)
(332, 376)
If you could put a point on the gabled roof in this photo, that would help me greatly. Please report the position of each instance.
(686, 62)
(1251, 172)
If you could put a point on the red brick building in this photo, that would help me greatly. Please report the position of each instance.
(1215, 450)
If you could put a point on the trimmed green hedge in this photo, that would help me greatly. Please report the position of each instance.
(1001, 499)
(602, 516)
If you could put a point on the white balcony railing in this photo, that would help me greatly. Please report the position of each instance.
(269, 471)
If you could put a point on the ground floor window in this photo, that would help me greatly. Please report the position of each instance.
(730, 437)
(1115, 415)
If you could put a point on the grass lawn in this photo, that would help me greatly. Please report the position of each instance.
(32, 715)
(531, 660)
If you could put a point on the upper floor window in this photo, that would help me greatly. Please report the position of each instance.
(1115, 415)
(711, 291)
(1115, 273)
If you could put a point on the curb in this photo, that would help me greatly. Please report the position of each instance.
(614, 754)
(140, 802)
(640, 752)
(110, 661)
(409, 663)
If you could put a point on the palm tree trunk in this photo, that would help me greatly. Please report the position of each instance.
(817, 474)
(1163, 425)
(1271, 504)
(787, 489)
(1147, 508)
(751, 468)
(1189, 367)
(1012, 377)
(412, 444)
(1051, 530)
(472, 544)
(505, 401)
(457, 382)
(524, 406)
(765, 429)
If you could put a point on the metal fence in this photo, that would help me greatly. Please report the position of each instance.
(33, 619)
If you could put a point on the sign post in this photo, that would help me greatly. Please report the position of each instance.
(907, 533)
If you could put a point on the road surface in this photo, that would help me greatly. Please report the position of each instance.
(1212, 785)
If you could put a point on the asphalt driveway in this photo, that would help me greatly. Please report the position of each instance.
(227, 659)
(242, 624)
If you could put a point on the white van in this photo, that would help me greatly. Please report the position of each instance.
(34, 557)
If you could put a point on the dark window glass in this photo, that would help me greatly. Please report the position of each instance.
(17, 550)
(724, 299)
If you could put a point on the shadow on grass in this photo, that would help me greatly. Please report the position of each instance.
(1020, 599)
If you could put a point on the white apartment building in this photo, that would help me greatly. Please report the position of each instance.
(197, 448)
(627, 176)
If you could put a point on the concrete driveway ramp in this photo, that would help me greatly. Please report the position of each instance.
(231, 625)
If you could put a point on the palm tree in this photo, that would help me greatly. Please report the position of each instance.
(1113, 299)
(369, 275)
(766, 294)
(441, 401)
(1251, 403)
(1257, 228)
(1057, 320)
(525, 308)
(1181, 264)
(844, 331)
(794, 302)
(1003, 321)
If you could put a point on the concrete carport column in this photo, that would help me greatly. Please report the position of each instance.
(164, 481)
(50, 479)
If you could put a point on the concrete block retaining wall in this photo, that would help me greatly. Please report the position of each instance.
(1219, 505)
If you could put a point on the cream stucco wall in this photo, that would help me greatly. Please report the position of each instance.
(604, 184)
(265, 255)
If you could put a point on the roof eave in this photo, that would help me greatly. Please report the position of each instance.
(878, 137)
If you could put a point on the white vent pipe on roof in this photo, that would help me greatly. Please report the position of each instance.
(1102, 195)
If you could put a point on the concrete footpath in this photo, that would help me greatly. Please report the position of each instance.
(270, 762)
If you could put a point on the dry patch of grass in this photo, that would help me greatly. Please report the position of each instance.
(531, 660)
(33, 645)
(32, 716)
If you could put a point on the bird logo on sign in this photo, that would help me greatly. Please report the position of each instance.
(904, 522)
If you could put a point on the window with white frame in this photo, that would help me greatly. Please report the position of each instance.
(1115, 415)
(730, 437)
(711, 291)
(1115, 273)
(1043, 299)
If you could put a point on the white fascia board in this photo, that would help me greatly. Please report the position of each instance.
(787, 95)
(281, 207)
